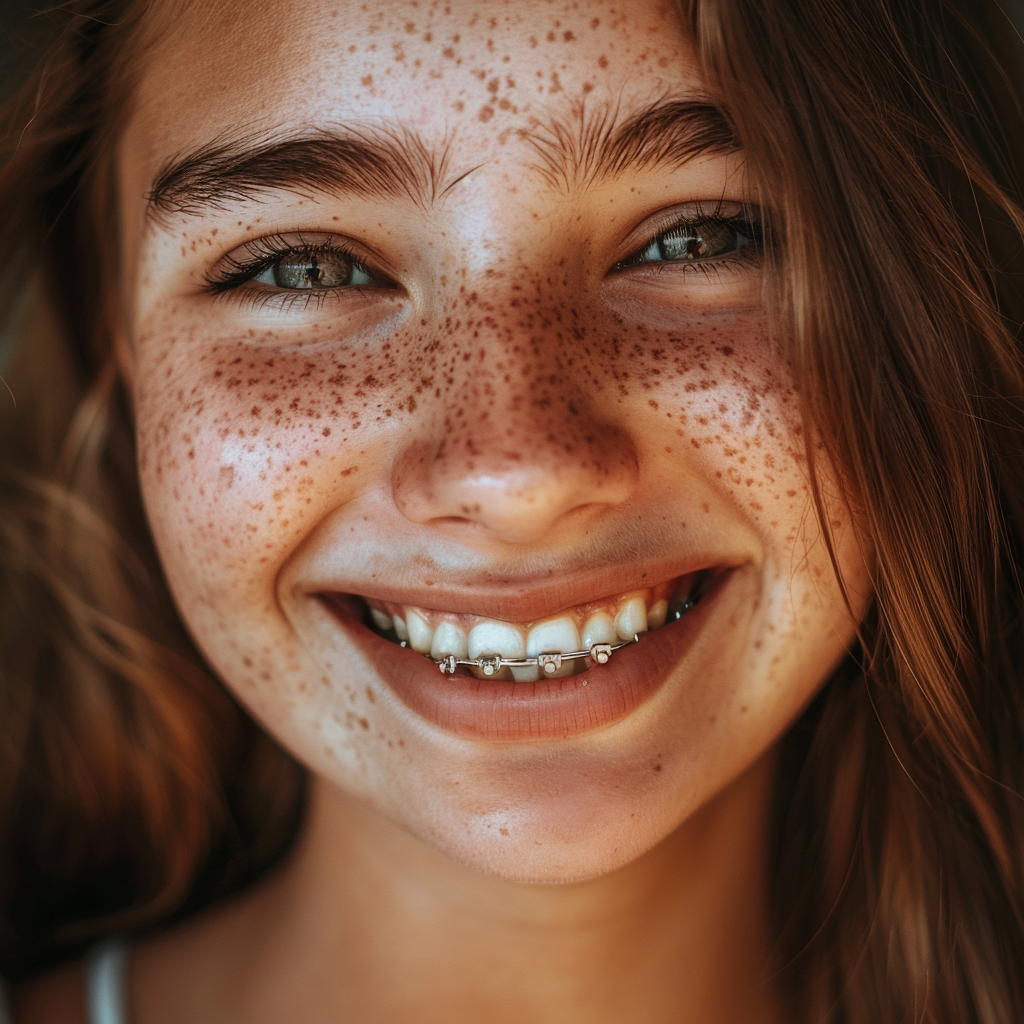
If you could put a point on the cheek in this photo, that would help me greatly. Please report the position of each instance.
(722, 419)
(243, 448)
(718, 400)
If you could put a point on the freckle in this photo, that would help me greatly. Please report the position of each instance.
(486, 113)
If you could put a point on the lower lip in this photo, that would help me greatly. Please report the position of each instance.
(483, 709)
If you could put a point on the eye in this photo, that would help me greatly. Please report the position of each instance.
(314, 270)
(296, 264)
(699, 240)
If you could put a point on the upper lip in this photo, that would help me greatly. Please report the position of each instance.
(512, 597)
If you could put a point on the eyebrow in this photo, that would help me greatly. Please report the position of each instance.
(373, 162)
(358, 160)
(594, 143)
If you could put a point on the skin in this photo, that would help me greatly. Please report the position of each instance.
(513, 413)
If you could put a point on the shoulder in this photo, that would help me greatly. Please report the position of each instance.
(57, 997)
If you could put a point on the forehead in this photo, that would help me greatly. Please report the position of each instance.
(474, 76)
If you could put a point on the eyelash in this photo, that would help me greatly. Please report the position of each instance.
(746, 224)
(265, 253)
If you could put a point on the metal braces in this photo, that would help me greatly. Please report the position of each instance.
(550, 661)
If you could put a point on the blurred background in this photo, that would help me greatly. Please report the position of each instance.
(15, 30)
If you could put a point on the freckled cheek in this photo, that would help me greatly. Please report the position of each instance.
(717, 398)
(232, 486)
(728, 411)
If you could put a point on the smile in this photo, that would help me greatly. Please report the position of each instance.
(566, 644)
(560, 672)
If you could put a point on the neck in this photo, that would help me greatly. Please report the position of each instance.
(368, 923)
(679, 934)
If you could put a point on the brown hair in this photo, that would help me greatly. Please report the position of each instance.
(886, 137)
(132, 787)
(888, 140)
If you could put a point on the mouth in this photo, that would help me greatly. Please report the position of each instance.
(573, 672)
(561, 645)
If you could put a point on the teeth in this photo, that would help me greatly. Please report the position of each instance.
(655, 616)
(554, 635)
(500, 638)
(449, 639)
(421, 635)
(493, 637)
(631, 618)
(620, 620)
(599, 629)
(381, 619)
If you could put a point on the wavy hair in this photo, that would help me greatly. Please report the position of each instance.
(132, 787)
(887, 139)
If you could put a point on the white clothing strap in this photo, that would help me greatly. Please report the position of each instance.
(105, 983)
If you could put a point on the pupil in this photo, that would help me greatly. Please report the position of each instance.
(306, 271)
(710, 240)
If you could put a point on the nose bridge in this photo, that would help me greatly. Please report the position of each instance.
(513, 444)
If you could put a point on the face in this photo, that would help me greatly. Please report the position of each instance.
(444, 326)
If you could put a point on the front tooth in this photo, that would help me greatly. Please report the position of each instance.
(494, 637)
(599, 629)
(657, 614)
(398, 624)
(448, 639)
(554, 635)
(631, 618)
(381, 619)
(421, 634)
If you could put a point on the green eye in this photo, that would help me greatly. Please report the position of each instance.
(698, 241)
(314, 271)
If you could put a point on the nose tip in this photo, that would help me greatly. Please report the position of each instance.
(516, 495)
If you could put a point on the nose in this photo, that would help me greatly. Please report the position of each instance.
(514, 450)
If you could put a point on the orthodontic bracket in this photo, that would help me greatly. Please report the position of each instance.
(549, 662)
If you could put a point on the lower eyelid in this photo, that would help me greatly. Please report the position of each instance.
(749, 257)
